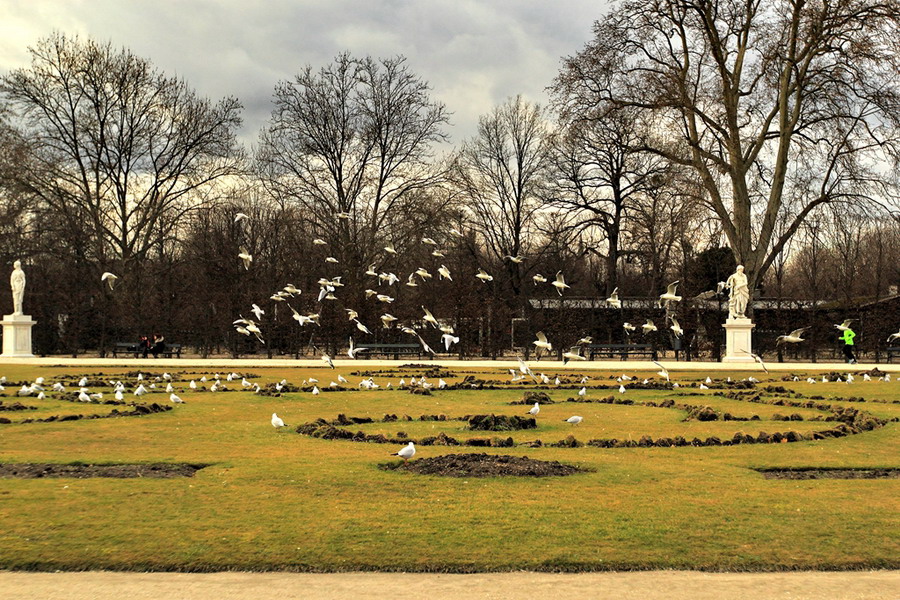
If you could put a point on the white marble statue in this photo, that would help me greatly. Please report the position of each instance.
(17, 283)
(740, 294)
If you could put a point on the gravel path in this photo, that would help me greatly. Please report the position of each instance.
(648, 585)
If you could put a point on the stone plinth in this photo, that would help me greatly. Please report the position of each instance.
(737, 340)
(17, 336)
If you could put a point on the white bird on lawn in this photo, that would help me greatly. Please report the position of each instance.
(169, 388)
(119, 395)
(560, 283)
(82, 397)
(315, 391)
(483, 276)
(444, 272)
(245, 256)
(648, 326)
(867, 377)
(613, 299)
(669, 295)
(82, 382)
(406, 452)
(534, 410)
(110, 279)
(541, 343)
(574, 420)
(793, 337)
(175, 399)
(140, 390)
(621, 389)
(582, 392)
(277, 421)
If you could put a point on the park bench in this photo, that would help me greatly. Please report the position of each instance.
(891, 352)
(130, 348)
(623, 351)
(394, 350)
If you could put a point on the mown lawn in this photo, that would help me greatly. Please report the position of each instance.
(277, 500)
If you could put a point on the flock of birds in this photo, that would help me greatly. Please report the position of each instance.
(143, 386)
(328, 291)
(381, 293)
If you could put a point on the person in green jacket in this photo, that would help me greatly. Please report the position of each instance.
(847, 338)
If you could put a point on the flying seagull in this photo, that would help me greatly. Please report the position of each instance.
(110, 279)
(793, 337)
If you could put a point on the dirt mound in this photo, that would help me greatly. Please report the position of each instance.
(500, 423)
(484, 465)
(830, 473)
(531, 397)
(78, 471)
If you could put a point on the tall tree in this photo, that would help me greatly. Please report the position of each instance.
(117, 146)
(353, 138)
(599, 178)
(777, 106)
(502, 175)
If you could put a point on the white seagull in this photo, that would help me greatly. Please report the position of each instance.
(406, 452)
(574, 420)
(110, 279)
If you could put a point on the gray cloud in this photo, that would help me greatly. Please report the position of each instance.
(473, 53)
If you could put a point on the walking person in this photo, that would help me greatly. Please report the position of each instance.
(847, 338)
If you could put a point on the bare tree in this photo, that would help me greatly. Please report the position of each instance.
(354, 138)
(599, 177)
(743, 91)
(117, 146)
(502, 176)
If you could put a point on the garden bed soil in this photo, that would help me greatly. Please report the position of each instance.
(76, 471)
(829, 473)
(484, 465)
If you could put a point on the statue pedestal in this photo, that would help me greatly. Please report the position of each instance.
(737, 340)
(17, 336)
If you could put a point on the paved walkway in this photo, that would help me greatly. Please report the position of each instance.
(648, 585)
(595, 365)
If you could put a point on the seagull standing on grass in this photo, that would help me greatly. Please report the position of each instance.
(534, 410)
(406, 453)
(574, 420)
(277, 421)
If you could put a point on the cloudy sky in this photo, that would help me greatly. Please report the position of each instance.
(474, 53)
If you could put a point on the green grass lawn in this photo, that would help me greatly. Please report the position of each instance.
(280, 500)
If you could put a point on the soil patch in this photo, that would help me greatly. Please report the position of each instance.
(78, 471)
(500, 423)
(484, 465)
(830, 473)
